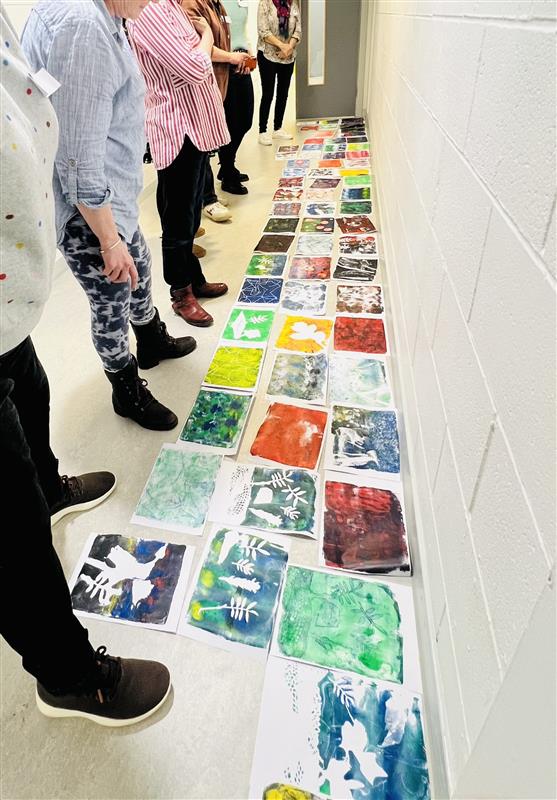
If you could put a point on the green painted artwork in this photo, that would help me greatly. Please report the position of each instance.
(341, 623)
(237, 588)
(248, 325)
(217, 419)
(178, 491)
(266, 265)
(235, 367)
(357, 180)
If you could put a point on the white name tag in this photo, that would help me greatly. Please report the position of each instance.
(45, 82)
(228, 20)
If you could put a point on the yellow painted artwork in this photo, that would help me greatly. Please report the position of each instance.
(282, 791)
(304, 334)
(345, 173)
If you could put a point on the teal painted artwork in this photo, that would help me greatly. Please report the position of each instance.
(235, 597)
(248, 325)
(177, 494)
(217, 419)
(341, 623)
(359, 381)
(303, 377)
(265, 265)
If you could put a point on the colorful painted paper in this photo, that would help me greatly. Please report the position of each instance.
(364, 440)
(320, 209)
(281, 225)
(355, 224)
(358, 381)
(363, 527)
(286, 151)
(359, 300)
(360, 335)
(177, 493)
(217, 420)
(274, 243)
(298, 163)
(337, 736)
(260, 291)
(356, 193)
(291, 435)
(263, 265)
(271, 499)
(332, 620)
(330, 162)
(355, 269)
(290, 183)
(323, 173)
(286, 194)
(235, 595)
(324, 183)
(354, 146)
(304, 334)
(353, 171)
(310, 268)
(286, 209)
(321, 195)
(357, 180)
(300, 377)
(235, 367)
(309, 244)
(130, 580)
(306, 297)
(358, 245)
(248, 325)
(355, 207)
(318, 225)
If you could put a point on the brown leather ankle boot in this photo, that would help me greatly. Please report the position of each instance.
(186, 306)
(210, 290)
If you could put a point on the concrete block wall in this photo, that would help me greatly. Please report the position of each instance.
(460, 97)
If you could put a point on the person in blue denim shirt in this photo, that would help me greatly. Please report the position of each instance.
(97, 181)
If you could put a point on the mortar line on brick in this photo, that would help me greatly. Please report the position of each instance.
(531, 23)
(549, 224)
(478, 273)
(481, 468)
(478, 66)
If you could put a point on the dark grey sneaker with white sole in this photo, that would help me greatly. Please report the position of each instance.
(82, 492)
(126, 691)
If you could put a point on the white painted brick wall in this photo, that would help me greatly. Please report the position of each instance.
(460, 98)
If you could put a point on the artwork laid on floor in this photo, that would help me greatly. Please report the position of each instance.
(323, 173)
(356, 193)
(364, 440)
(359, 300)
(248, 325)
(260, 291)
(357, 245)
(352, 172)
(299, 377)
(235, 595)
(340, 621)
(337, 736)
(357, 155)
(269, 499)
(286, 209)
(355, 269)
(318, 225)
(217, 420)
(355, 224)
(360, 335)
(131, 580)
(298, 163)
(292, 435)
(357, 180)
(363, 526)
(177, 493)
(281, 225)
(235, 368)
(264, 265)
(310, 268)
(320, 209)
(360, 144)
(359, 381)
(309, 244)
(305, 297)
(305, 334)
(321, 195)
(286, 194)
(325, 183)
(290, 183)
(310, 148)
(274, 243)
(355, 207)
(332, 163)
(293, 172)
(286, 151)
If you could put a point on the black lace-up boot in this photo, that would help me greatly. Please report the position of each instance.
(131, 398)
(154, 343)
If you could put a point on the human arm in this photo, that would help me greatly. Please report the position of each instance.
(119, 266)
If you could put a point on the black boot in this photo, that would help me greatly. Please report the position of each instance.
(131, 398)
(154, 343)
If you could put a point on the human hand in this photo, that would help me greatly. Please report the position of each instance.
(201, 25)
(238, 59)
(119, 266)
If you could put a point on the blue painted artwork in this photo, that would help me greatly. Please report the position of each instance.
(260, 291)
(364, 440)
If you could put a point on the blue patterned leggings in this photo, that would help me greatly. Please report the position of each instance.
(113, 305)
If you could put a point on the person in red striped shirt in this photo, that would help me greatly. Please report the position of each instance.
(185, 122)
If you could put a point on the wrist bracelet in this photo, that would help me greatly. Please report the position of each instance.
(112, 246)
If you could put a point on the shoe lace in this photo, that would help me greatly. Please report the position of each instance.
(140, 394)
(165, 336)
(110, 669)
(72, 487)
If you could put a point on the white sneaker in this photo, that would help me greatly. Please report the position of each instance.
(217, 212)
(282, 134)
(265, 138)
(224, 202)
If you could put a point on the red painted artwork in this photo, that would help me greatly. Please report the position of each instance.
(310, 268)
(291, 435)
(363, 529)
(360, 335)
(329, 162)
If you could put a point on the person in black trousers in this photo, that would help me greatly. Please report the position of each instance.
(238, 108)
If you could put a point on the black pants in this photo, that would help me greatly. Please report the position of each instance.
(209, 194)
(180, 203)
(38, 622)
(238, 108)
(269, 71)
